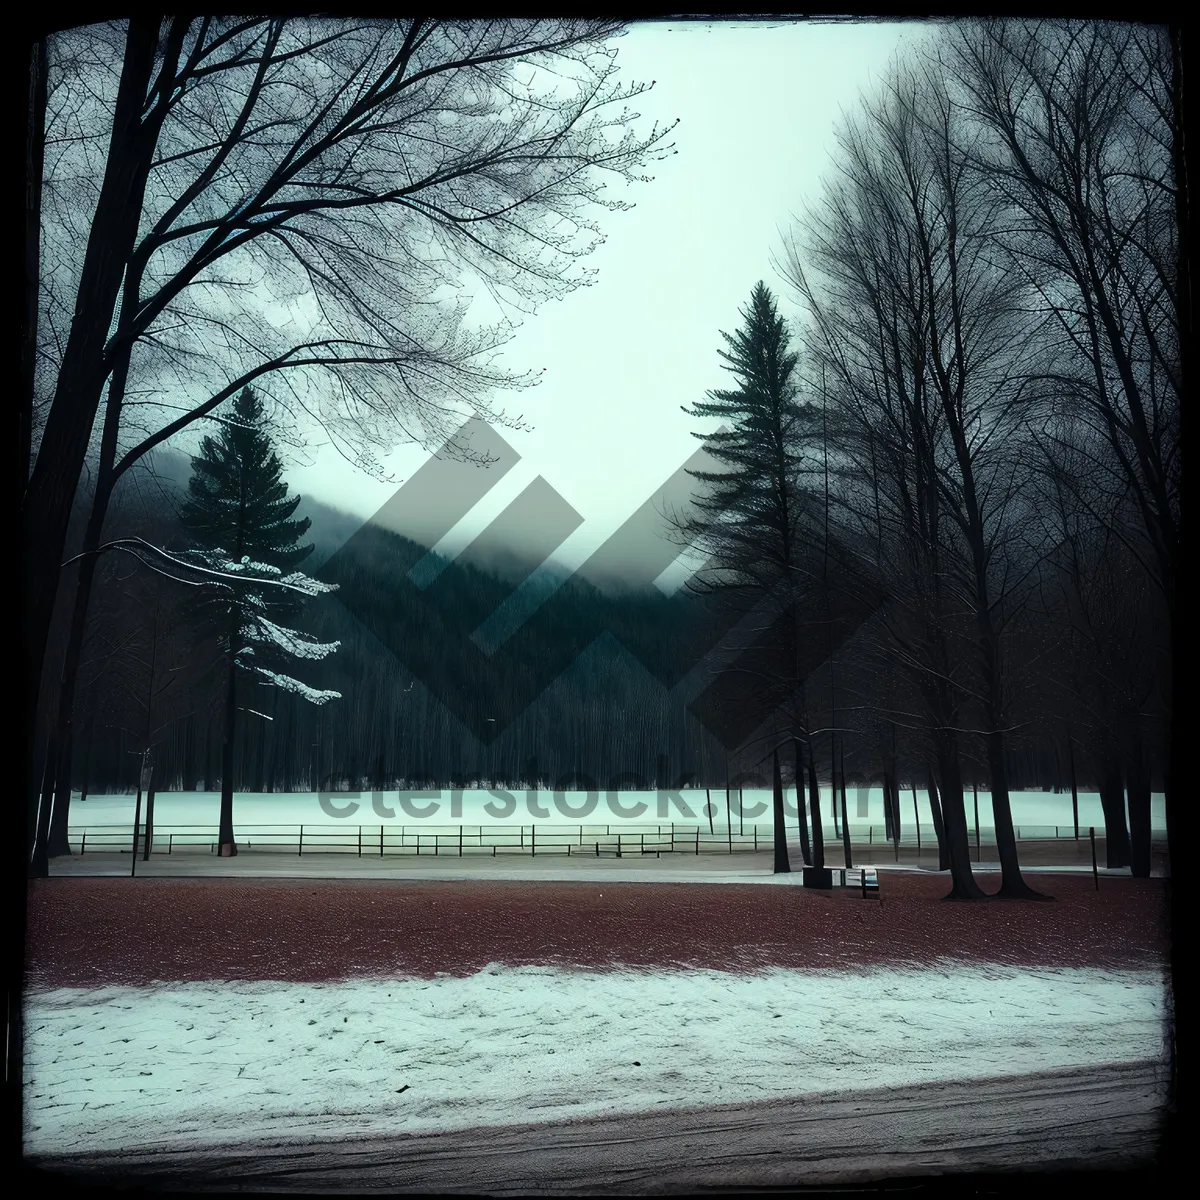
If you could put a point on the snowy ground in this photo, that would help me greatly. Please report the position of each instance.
(444, 809)
(206, 1063)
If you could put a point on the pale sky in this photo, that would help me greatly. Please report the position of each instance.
(757, 105)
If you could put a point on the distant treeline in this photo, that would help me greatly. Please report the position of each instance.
(581, 694)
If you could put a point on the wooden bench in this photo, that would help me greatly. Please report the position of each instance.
(866, 879)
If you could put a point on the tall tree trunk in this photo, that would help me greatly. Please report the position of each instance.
(782, 864)
(227, 846)
(1139, 810)
(56, 838)
(897, 823)
(1012, 885)
(189, 779)
(35, 145)
(975, 799)
(802, 818)
(939, 829)
(149, 821)
(1074, 786)
(833, 787)
(86, 765)
(1112, 801)
(39, 867)
(814, 804)
(50, 494)
(845, 814)
(888, 815)
(77, 632)
(954, 824)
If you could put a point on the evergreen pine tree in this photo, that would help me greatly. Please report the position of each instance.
(756, 518)
(241, 520)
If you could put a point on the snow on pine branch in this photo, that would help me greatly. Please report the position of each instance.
(292, 641)
(288, 684)
(210, 566)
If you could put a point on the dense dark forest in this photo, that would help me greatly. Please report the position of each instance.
(413, 713)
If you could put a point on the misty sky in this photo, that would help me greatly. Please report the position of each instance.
(757, 105)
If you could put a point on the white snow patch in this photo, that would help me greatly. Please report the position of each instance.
(204, 1063)
(1038, 812)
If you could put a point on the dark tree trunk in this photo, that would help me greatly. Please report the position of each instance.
(57, 842)
(1012, 885)
(939, 829)
(191, 761)
(1074, 787)
(1112, 801)
(954, 826)
(845, 815)
(210, 768)
(39, 866)
(894, 796)
(1139, 811)
(782, 864)
(85, 766)
(802, 818)
(227, 846)
(149, 822)
(814, 804)
(889, 819)
(975, 799)
(50, 494)
(34, 158)
(833, 787)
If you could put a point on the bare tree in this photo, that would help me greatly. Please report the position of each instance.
(1084, 143)
(314, 229)
(871, 270)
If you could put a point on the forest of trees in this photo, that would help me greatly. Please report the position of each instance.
(949, 495)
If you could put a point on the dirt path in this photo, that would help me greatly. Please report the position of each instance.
(1106, 1117)
(91, 932)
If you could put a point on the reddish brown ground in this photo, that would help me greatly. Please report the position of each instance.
(86, 932)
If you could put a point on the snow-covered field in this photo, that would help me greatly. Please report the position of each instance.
(205, 1063)
(687, 807)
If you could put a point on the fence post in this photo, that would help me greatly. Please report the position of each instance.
(460, 841)
(360, 841)
(300, 847)
(83, 843)
(756, 836)
(1095, 869)
(533, 841)
(697, 839)
(870, 835)
(170, 842)
(381, 841)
